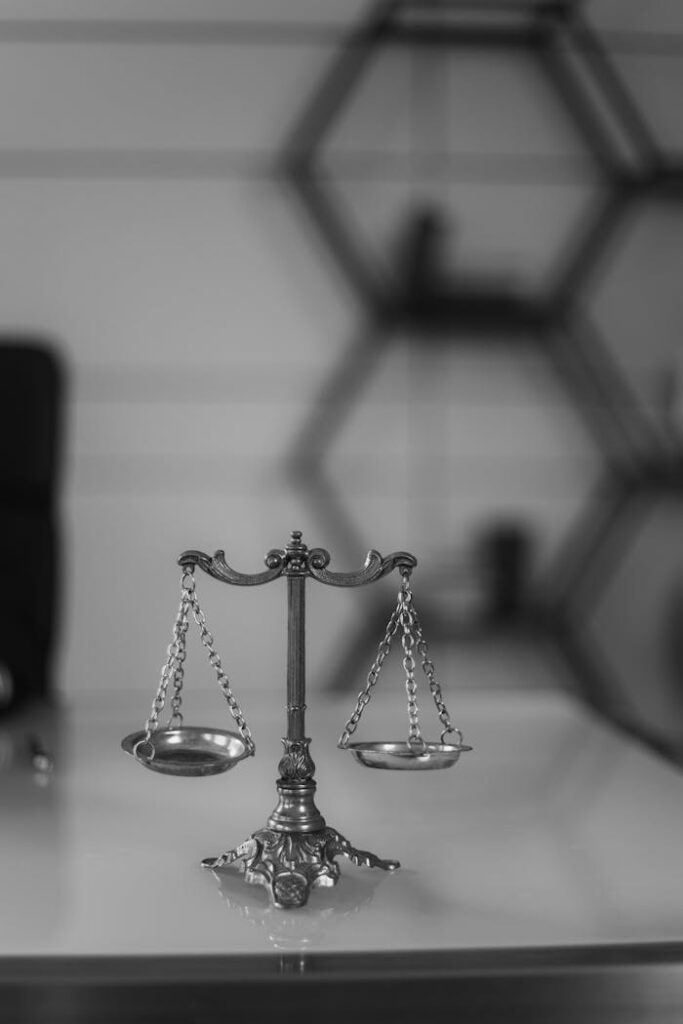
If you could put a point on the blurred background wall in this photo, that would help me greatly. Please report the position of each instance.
(146, 227)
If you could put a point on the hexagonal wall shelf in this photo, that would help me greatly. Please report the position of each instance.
(529, 79)
(624, 617)
(639, 330)
(438, 256)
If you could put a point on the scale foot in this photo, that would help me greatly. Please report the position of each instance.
(290, 864)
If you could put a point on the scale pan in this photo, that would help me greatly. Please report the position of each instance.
(190, 750)
(404, 757)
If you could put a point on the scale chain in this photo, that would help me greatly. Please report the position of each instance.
(176, 719)
(215, 661)
(405, 617)
(365, 695)
(172, 668)
(406, 620)
(429, 671)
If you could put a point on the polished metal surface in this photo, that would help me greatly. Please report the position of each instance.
(406, 756)
(191, 750)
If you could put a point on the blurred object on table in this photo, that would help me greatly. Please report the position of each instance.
(34, 848)
(31, 386)
(505, 552)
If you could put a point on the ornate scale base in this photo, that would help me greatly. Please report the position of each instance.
(291, 864)
(296, 850)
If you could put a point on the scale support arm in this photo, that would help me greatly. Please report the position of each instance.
(215, 565)
(374, 568)
(297, 560)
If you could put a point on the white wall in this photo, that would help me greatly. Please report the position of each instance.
(142, 226)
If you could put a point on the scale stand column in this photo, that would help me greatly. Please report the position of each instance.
(296, 810)
(296, 850)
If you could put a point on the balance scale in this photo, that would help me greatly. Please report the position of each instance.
(296, 850)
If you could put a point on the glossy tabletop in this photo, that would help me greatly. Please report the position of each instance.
(555, 831)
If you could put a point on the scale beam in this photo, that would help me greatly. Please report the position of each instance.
(297, 560)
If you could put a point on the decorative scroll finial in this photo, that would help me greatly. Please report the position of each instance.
(296, 556)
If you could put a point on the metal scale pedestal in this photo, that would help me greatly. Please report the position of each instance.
(285, 857)
(296, 850)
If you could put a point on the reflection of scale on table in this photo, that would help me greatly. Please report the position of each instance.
(296, 850)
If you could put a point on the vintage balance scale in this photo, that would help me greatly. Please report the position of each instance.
(296, 850)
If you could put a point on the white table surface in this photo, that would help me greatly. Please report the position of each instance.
(556, 830)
